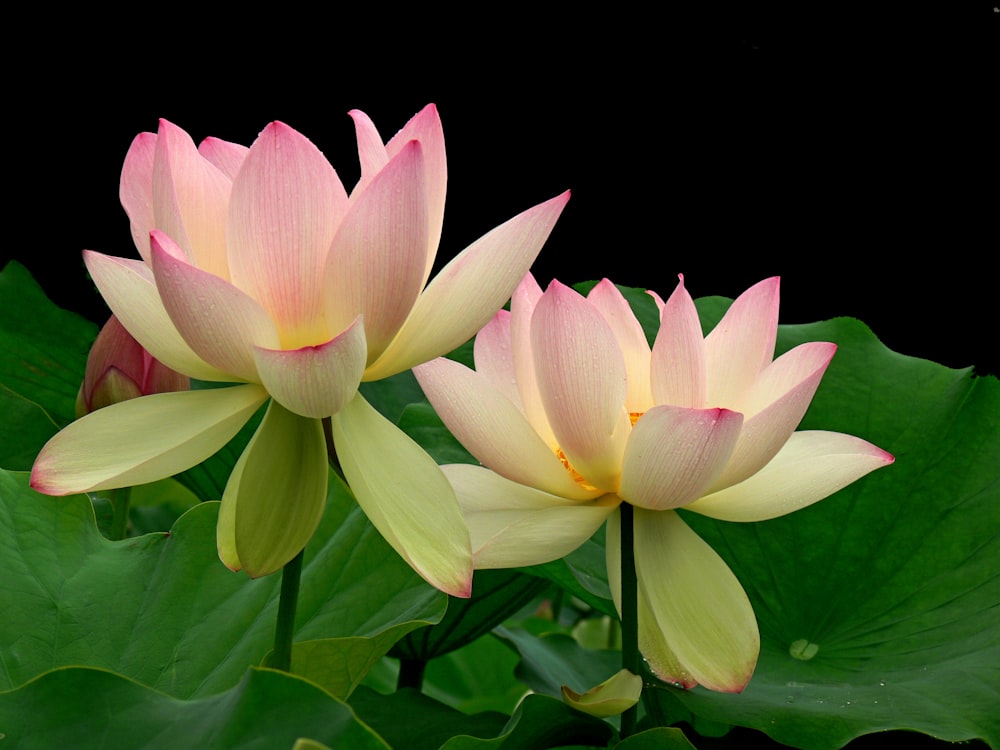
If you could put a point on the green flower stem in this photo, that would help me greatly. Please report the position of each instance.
(630, 611)
(331, 450)
(288, 600)
(120, 499)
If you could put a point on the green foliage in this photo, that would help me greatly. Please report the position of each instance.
(879, 607)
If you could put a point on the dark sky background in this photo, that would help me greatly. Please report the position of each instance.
(860, 164)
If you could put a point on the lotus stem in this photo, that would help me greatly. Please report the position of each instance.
(288, 599)
(120, 500)
(630, 612)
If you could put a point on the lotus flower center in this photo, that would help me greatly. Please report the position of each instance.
(577, 476)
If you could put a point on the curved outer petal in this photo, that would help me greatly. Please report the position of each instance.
(512, 525)
(218, 321)
(615, 695)
(582, 379)
(376, 262)
(407, 498)
(227, 157)
(675, 453)
(285, 207)
(616, 310)
(811, 466)
(791, 381)
(315, 381)
(703, 621)
(678, 358)
(143, 439)
(742, 344)
(190, 199)
(130, 291)
(276, 494)
(425, 127)
(469, 290)
(135, 191)
(494, 430)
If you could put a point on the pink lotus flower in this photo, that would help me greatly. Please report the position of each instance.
(119, 369)
(259, 269)
(572, 413)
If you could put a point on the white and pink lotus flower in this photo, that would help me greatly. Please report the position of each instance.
(260, 270)
(571, 413)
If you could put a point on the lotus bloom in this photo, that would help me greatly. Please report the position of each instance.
(259, 269)
(571, 413)
(118, 369)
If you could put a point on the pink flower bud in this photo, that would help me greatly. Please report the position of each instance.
(118, 368)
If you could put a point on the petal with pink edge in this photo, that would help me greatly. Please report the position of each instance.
(678, 359)
(190, 199)
(742, 344)
(227, 157)
(812, 465)
(286, 205)
(632, 340)
(143, 439)
(701, 611)
(315, 381)
(135, 190)
(405, 495)
(276, 494)
(469, 290)
(130, 291)
(221, 323)
(513, 525)
(493, 429)
(582, 380)
(674, 454)
(494, 357)
(791, 380)
(376, 262)
(522, 309)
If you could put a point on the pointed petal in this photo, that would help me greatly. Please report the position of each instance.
(136, 190)
(407, 498)
(315, 381)
(632, 340)
(700, 608)
(781, 395)
(285, 207)
(513, 525)
(371, 150)
(811, 466)
(376, 263)
(276, 494)
(493, 429)
(582, 379)
(678, 360)
(227, 157)
(190, 199)
(221, 323)
(674, 453)
(130, 291)
(425, 127)
(615, 695)
(742, 344)
(469, 290)
(143, 439)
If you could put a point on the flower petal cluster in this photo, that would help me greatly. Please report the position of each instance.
(119, 369)
(571, 412)
(259, 269)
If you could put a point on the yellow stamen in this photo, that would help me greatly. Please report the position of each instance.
(577, 476)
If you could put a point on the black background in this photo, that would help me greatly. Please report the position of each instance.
(854, 156)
